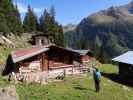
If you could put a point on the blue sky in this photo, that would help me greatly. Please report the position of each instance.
(69, 11)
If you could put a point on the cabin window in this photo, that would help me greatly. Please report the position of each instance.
(42, 42)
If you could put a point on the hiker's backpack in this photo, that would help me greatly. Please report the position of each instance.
(97, 75)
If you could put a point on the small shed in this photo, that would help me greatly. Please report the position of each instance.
(125, 64)
(42, 39)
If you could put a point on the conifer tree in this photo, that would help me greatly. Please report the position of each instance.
(17, 24)
(11, 17)
(30, 21)
(54, 24)
(3, 24)
(48, 25)
(45, 22)
(52, 12)
(60, 40)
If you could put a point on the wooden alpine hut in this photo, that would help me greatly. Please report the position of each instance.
(125, 62)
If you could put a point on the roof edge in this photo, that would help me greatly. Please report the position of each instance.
(15, 60)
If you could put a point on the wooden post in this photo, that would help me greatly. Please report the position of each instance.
(44, 63)
(64, 72)
(72, 69)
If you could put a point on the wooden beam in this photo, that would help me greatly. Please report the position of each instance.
(44, 63)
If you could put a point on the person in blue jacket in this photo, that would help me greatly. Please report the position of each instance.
(97, 79)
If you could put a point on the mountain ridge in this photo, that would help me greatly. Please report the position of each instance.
(108, 32)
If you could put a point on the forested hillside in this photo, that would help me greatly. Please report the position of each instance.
(11, 22)
(108, 33)
(20, 32)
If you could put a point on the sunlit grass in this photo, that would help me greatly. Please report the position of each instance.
(74, 88)
(79, 87)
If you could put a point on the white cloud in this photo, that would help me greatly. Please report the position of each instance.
(23, 8)
(38, 10)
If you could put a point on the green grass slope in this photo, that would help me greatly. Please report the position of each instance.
(74, 88)
(77, 88)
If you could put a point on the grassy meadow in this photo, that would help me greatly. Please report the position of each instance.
(80, 87)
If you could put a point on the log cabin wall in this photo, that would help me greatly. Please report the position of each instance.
(31, 64)
(85, 58)
(60, 55)
(54, 57)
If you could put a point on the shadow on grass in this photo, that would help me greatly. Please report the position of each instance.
(83, 88)
(116, 78)
(79, 88)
